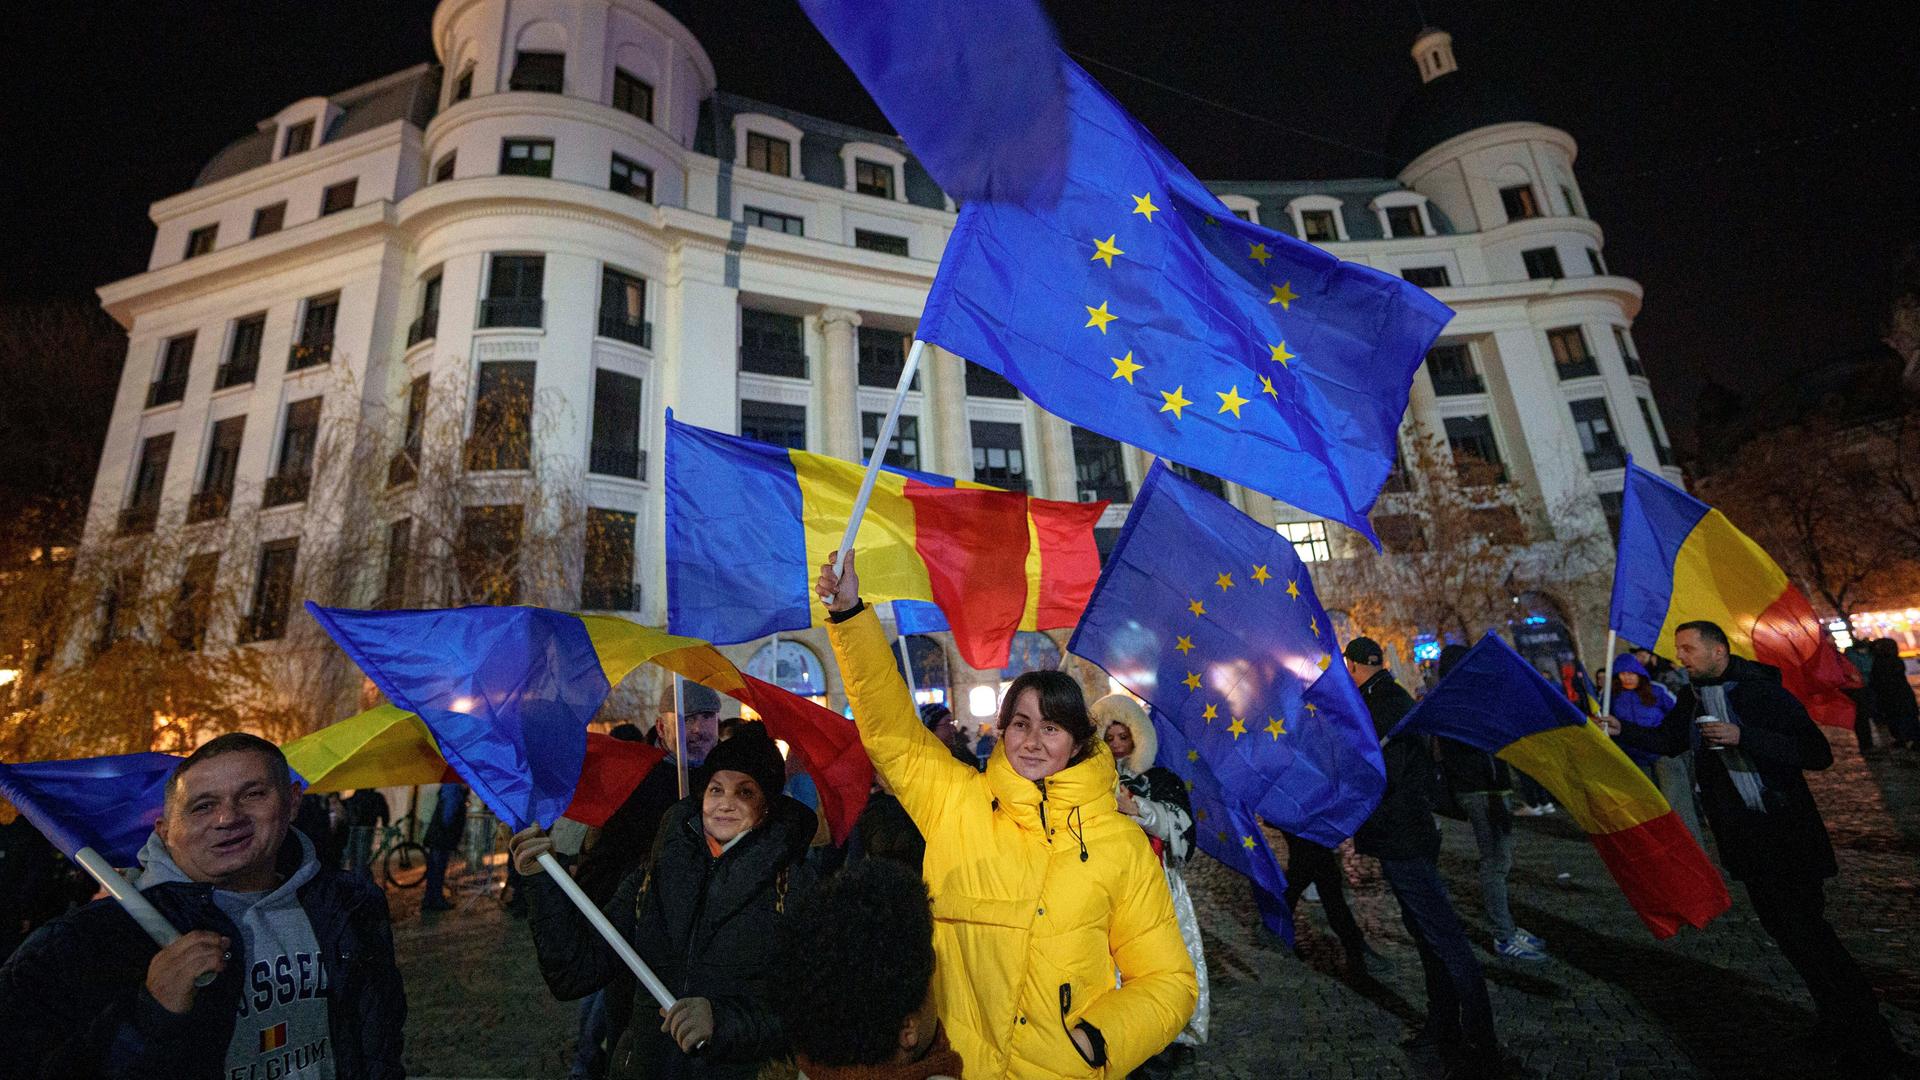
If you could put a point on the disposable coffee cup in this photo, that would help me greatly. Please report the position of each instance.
(1709, 720)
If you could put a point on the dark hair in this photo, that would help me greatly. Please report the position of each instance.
(1709, 630)
(231, 743)
(1061, 704)
(1884, 648)
(1644, 691)
(857, 958)
(627, 733)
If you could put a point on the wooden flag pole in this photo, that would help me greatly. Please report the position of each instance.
(1606, 693)
(880, 445)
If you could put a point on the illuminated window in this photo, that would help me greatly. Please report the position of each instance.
(1309, 539)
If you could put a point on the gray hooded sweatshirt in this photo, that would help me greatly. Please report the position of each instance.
(282, 1030)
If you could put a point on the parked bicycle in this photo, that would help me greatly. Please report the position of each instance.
(402, 861)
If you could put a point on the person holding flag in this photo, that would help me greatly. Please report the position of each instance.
(1042, 889)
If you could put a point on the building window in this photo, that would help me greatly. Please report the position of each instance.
(988, 383)
(1610, 507)
(1661, 450)
(629, 177)
(790, 224)
(526, 157)
(1405, 221)
(904, 451)
(269, 219)
(1099, 468)
(873, 178)
(1627, 354)
(338, 197)
(1309, 540)
(1319, 226)
(1427, 277)
(148, 479)
(631, 95)
(273, 592)
(1598, 440)
(243, 354)
(194, 604)
(176, 362)
(299, 139)
(514, 291)
(1571, 357)
(404, 466)
(1519, 202)
(999, 455)
(297, 445)
(1566, 196)
(200, 241)
(768, 154)
(1400, 534)
(623, 308)
(489, 556)
(1542, 263)
(882, 356)
(1452, 370)
(1205, 481)
(223, 460)
(770, 344)
(607, 583)
(774, 423)
(541, 72)
(1244, 215)
(616, 426)
(443, 169)
(502, 417)
(1594, 260)
(315, 346)
(1476, 453)
(393, 586)
(885, 243)
(463, 86)
(426, 325)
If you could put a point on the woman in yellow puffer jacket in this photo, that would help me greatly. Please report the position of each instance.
(1042, 890)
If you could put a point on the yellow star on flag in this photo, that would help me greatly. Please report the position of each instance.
(1259, 253)
(1212, 713)
(1184, 644)
(1325, 661)
(1246, 842)
(1193, 755)
(1237, 728)
(1284, 296)
(1261, 575)
(1197, 607)
(1200, 814)
(1222, 834)
(1313, 626)
(1175, 401)
(1225, 581)
(1312, 709)
(1124, 367)
(1143, 204)
(1100, 316)
(1266, 387)
(1105, 250)
(1275, 728)
(1192, 680)
(1293, 589)
(1280, 354)
(1231, 401)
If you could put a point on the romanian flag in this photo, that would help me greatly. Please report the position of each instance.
(108, 804)
(1682, 560)
(1494, 701)
(748, 526)
(505, 693)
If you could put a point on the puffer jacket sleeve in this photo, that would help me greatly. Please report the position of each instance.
(1157, 985)
(919, 768)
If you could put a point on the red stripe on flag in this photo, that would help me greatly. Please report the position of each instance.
(1069, 559)
(1664, 874)
(1789, 636)
(974, 543)
(612, 769)
(828, 746)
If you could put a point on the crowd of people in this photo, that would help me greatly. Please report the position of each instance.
(1015, 911)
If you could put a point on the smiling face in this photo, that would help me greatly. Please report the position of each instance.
(1120, 740)
(225, 820)
(733, 804)
(1036, 747)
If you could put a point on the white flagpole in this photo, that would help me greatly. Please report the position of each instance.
(880, 445)
(620, 946)
(680, 733)
(1606, 695)
(133, 902)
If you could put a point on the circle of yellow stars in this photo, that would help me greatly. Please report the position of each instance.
(1183, 643)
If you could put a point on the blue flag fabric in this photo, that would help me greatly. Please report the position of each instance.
(1210, 617)
(106, 803)
(506, 691)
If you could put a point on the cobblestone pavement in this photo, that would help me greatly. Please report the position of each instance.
(1611, 1002)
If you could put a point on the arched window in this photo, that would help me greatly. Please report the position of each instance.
(1032, 651)
(792, 667)
(931, 682)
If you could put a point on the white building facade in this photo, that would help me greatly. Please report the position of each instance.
(565, 208)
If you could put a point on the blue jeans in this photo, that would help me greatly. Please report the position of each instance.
(590, 1058)
(1459, 1013)
(436, 876)
(1493, 835)
(360, 850)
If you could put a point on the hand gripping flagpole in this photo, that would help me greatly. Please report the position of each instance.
(880, 445)
(133, 902)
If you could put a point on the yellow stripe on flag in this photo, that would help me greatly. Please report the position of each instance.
(623, 645)
(1724, 577)
(890, 566)
(382, 747)
(1591, 778)
(1030, 615)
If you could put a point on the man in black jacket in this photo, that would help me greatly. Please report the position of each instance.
(304, 983)
(1401, 834)
(1757, 739)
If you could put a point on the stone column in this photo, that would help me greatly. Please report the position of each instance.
(943, 417)
(1055, 478)
(839, 385)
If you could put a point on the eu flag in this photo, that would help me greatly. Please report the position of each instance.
(1209, 617)
(1226, 829)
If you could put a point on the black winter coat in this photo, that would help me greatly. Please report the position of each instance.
(1790, 838)
(705, 924)
(1401, 827)
(1471, 770)
(74, 1003)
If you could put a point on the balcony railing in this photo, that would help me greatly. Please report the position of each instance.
(166, 391)
(235, 373)
(511, 312)
(632, 331)
(610, 596)
(401, 469)
(1607, 457)
(281, 490)
(618, 461)
(208, 505)
(1575, 369)
(765, 360)
(306, 354)
(138, 518)
(494, 454)
(1451, 385)
(423, 328)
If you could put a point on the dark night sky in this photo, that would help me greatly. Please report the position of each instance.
(1756, 264)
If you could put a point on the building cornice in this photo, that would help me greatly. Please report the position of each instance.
(528, 104)
(1483, 138)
